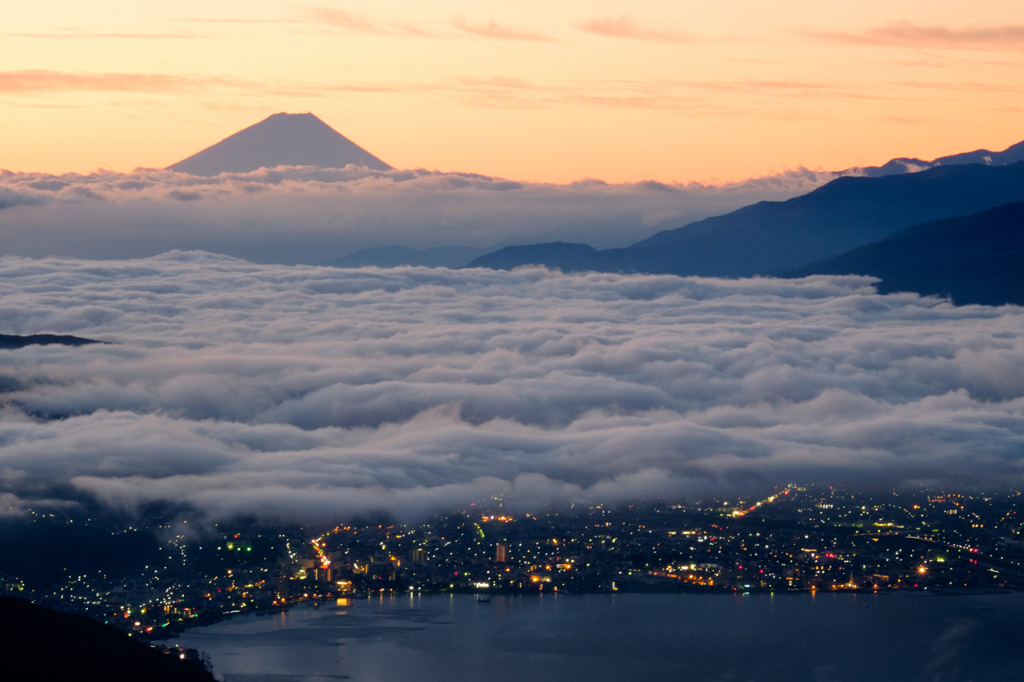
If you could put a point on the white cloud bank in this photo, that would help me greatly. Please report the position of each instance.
(302, 392)
(311, 215)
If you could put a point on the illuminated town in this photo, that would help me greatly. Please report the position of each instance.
(796, 538)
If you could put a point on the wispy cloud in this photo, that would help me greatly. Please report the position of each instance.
(38, 80)
(499, 32)
(77, 35)
(627, 27)
(960, 86)
(358, 23)
(346, 20)
(908, 34)
(717, 98)
(204, 20)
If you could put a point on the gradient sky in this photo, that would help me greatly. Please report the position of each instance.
(530, 90)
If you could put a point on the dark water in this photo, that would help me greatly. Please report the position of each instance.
(917, 637)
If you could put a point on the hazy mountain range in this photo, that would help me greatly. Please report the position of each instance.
(767, 237)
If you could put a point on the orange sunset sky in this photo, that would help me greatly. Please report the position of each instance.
(552, 90)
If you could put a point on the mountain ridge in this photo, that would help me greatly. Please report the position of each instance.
(1011, 154)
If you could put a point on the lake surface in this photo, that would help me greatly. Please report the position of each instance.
(910, 637)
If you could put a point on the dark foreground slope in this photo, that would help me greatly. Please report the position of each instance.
(973, 259)
(45, 645)
(769, 237)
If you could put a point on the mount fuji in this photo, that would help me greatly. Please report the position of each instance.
(280, 140)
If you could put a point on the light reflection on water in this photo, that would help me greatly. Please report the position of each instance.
(706, 638)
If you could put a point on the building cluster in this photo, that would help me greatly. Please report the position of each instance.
(798, 538)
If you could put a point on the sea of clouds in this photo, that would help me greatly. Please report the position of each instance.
(298, 392)
(311, 215)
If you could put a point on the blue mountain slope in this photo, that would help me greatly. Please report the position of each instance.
(972, 259)
(770, 237)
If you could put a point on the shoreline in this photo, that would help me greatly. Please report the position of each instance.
(368, 595)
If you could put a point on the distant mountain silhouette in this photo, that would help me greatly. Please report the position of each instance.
(566, 256)
(14, 341)
(42, 644)
(280, 140)
(1011, 154)
(973, 259)
(394, 256)
(770, 237)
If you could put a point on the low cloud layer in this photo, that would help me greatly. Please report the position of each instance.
(317, 393)
(311, 215)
